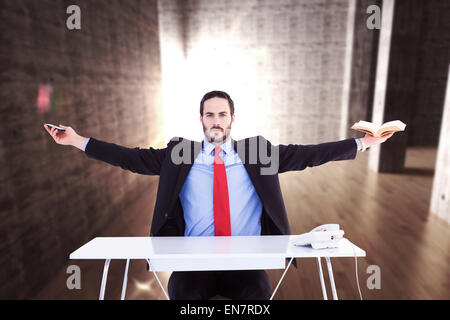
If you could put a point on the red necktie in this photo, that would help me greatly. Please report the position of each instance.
(222, 226)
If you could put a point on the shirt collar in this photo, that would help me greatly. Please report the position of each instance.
(208, 147)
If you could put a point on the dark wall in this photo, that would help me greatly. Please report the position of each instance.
(102, 80)
(364, 63)
(431, 74)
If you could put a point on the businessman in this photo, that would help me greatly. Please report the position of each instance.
(218, 187)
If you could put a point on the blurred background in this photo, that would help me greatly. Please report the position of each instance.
(299, 71)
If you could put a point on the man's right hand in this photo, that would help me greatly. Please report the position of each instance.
(67, 137)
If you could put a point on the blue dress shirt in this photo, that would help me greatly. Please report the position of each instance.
(85, 144)
(196, 195)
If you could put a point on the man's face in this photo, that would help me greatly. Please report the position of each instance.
(216, 119)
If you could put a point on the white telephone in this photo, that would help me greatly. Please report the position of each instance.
(324, 236)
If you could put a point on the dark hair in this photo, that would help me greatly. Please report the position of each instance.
(218, 94)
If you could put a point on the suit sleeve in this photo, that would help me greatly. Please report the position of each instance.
(137, 160)
(298, 157)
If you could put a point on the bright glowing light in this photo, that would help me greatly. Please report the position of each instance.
(173, 88)
(214, 64)
(148, 289)
(143, 286)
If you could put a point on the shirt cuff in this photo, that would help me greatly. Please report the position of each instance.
(358, 145)
(85, 144)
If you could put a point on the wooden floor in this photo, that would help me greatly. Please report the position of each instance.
(387, 215)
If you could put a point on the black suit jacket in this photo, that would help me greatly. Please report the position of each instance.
(168, 218)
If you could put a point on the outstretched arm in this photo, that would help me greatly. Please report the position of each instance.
(137, 160)
(298, 157)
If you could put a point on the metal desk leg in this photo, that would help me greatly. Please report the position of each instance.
(330, 273)
(284, 273)
(105, 275)
(125, 280)
(322, 283)
(156, 276)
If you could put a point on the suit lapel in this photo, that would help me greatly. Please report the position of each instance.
(184, 169)
(253, 172)
(252, 169)
(196, 147)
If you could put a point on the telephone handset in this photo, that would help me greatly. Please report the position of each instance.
(321, 237)
(326, 227)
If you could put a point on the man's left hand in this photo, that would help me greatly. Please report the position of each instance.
(370, 140)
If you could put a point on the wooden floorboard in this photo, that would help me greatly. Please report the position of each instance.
(387, 215)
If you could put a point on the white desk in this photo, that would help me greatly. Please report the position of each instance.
(210, 253)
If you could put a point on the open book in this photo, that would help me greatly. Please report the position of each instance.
(379, 131)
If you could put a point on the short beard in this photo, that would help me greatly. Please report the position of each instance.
(212, 139)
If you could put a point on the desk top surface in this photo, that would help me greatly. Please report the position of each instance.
(206, 247)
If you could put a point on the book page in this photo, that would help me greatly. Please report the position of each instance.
(365, 124)
(391, 126)
(395, 123)
(378, 131)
